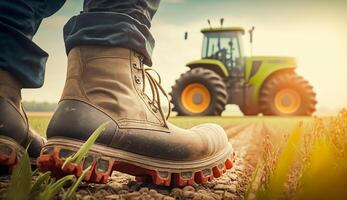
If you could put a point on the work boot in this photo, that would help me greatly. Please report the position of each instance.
(15, 134)
(107, 84)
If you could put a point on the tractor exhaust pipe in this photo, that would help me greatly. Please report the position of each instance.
(221, 22)
(209, 23)
(251, 39)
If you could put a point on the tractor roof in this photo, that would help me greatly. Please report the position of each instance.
(223, 29)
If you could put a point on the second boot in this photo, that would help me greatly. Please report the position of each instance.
(15, 134)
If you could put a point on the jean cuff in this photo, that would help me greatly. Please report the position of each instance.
(22, 57)
(109, 29)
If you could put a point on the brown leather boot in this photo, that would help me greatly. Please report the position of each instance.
(107, 84)
(15, 134)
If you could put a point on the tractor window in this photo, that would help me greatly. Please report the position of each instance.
(223, 46)
(235, 53)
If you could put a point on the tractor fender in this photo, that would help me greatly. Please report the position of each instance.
(268, 66)
(211, 64)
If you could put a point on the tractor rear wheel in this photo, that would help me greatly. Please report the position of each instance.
(287, 94)
(199, 92)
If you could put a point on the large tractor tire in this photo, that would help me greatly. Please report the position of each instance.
(287, 94)
(199, 92)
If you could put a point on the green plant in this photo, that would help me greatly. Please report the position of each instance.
(39, 185)
(20, 183)
(54, 187)
(46, 187)
(70, 193)
(78, 157)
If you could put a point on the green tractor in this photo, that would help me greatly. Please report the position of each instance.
(257, 84)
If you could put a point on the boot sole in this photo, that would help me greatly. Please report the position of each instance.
(103, 160)
(10, 153)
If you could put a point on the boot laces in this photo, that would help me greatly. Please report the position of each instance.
(156, 88)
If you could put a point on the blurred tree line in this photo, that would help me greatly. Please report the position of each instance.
(33, 106)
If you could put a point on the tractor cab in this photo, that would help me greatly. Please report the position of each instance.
(225, 45)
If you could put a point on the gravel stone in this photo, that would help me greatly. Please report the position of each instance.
(219, 192)
(188, 194)
(83, 192)
(233, 177)
(88, 197)
(144, 190)
(229, 196)
(153, 192)
(116, 187)
(168, 198)
(113, 196)
(177, 193)
(200, 196)
(189, 188)
(131, 195)
(123, 192)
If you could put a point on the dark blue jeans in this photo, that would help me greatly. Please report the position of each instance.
(120, 23)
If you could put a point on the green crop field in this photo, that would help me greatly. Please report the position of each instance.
(40, 123)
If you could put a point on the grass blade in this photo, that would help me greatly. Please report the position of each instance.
(70, 194)
(55, 188)
(78, 157)
(39, 185)
(20, 183)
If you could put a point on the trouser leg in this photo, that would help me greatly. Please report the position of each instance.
(121, 23)
(21, 65)
(20, 56)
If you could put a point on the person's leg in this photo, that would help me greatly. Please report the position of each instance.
(20, 56)
(22, 65)
(122, 23)
(106, 79)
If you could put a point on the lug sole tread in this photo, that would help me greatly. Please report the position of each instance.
(102, 167)
(8, 157)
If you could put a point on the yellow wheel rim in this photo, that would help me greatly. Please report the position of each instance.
(287, 101)
(196, 98)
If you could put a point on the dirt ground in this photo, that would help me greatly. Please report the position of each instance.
(232, 185)
(246, 139)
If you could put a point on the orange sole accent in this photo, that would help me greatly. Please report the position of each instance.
(52, 159)
(8, 158)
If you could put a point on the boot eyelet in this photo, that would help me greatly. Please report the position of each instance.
(139, 56)
(137, 80)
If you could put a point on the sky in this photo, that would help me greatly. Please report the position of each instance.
(313, 31)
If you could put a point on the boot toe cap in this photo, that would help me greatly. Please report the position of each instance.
(213, 136)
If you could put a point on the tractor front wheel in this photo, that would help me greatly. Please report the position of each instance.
(199, 92)
(287, 94)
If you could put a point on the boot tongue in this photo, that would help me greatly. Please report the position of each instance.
(10, 88)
